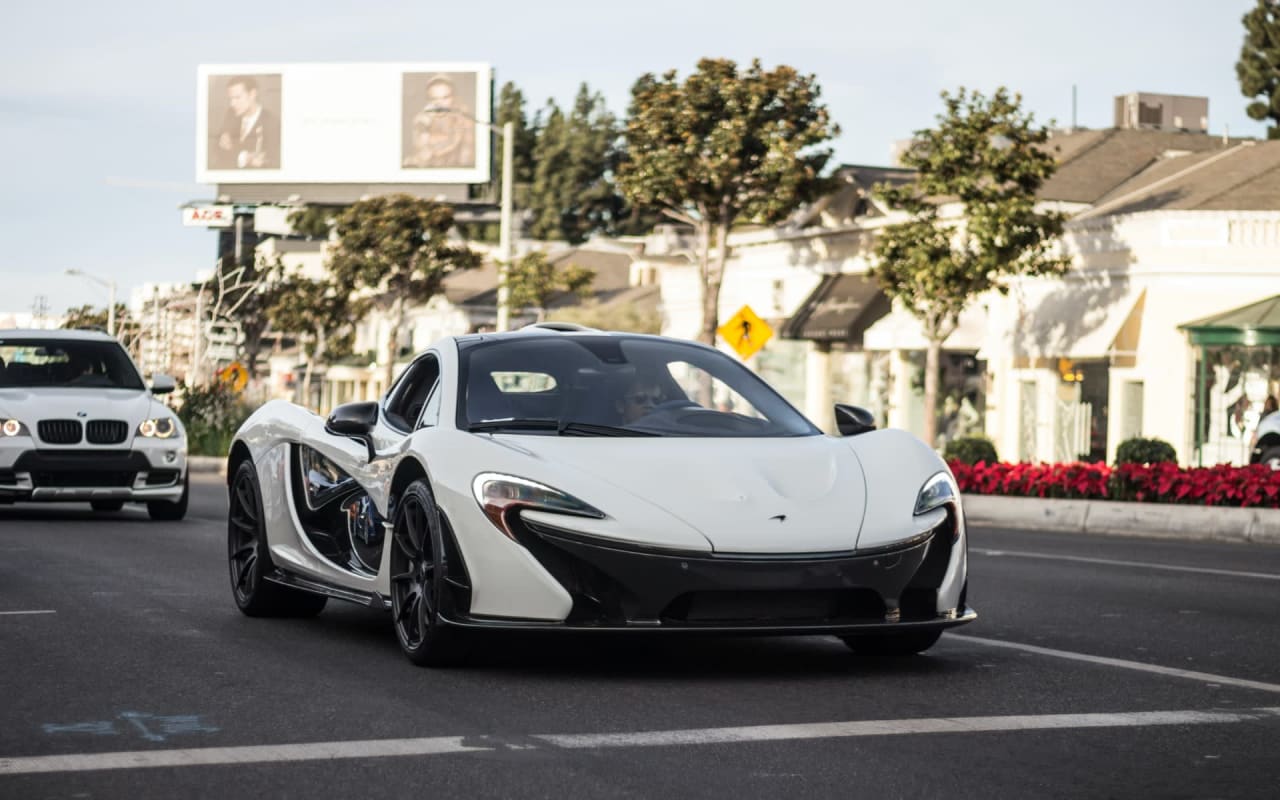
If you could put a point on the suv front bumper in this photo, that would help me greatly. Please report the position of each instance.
(147, 471)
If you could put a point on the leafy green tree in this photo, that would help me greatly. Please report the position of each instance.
(511, 108)
(1259, 66)
(88, 317)
(534, 280)
(320, 311)
(397, 248)
(726, 145)
(573, 194)
(987, 157)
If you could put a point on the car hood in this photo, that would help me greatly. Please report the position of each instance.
(30, 405)
(786, 495)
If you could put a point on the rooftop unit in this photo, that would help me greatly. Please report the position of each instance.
(1162, 112)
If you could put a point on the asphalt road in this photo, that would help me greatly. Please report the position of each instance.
(1100, 667)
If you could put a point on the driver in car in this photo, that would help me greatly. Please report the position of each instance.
(641, 397)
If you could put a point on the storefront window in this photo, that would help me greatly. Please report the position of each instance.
(1233, 384)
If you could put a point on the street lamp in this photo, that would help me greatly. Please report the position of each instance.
(111, 297)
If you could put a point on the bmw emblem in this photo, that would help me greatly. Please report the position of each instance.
(82, 414)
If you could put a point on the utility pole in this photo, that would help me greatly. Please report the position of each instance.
(504, 227)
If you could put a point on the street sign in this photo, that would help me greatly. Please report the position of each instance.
(745, 332)
(235, 376)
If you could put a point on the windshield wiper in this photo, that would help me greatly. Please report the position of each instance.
(562, 427)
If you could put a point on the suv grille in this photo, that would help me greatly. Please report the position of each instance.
(107, 431)
(59, 431)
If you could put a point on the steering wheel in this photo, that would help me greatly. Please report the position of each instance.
(670, 404)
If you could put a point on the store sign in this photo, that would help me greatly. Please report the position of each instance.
(209, 216)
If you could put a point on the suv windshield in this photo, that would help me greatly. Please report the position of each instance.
(67, 363)
(610, 385)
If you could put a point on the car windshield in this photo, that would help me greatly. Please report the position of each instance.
(70, 363)
(610, 385)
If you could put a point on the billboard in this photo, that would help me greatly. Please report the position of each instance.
(343, 123)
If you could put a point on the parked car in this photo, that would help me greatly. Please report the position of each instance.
(561, 478)
(77, 423)
(1266, 441)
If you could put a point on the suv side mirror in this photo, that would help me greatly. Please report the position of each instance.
(354, 421)
(853, 420)
(162, 384)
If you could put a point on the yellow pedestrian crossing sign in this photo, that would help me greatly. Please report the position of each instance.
(745, 332)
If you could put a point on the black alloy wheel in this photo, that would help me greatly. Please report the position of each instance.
(419, 569)
(1271, 458)
(249, 559)
(892, 644)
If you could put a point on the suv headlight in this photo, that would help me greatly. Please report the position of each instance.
(158, 428)
(936, 492)
(498, 495)
(11, 427)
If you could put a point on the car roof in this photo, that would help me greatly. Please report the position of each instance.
(57, 333)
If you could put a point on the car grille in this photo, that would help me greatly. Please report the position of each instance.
(107, 431)
(59, 431)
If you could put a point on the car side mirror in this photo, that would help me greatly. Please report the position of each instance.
(162, 384)
(853, 420)
(354, 421)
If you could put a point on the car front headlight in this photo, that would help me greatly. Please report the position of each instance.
(936, 492)
(11, 427)
(158, 428)
(499, 495)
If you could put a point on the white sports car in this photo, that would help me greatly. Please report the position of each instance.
(559, 478)
(77, 423)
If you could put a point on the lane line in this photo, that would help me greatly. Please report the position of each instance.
(441, 745)
(1267, 576)
(1172, 672)
(18, 613)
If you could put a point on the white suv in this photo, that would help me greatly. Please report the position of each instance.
(78, 423)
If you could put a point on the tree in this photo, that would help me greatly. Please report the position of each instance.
(90, 317)
(628, 317)
(1259, 66)
(319, 310)
(723, 147)
(990, 158)
(534, 280)
(397, 248)
(573, 194)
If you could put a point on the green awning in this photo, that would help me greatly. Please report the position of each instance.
(1254, 324)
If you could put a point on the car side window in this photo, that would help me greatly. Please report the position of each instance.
(431, 412)
(411, 392)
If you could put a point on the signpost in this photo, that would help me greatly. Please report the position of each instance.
(745, 332)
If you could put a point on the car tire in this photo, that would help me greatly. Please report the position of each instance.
(165, 511)
(106, 505)
(1271, 457)
(249, 558)
(892, 644)
(419, 565)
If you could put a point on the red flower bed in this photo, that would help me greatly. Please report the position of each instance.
(1223, 485)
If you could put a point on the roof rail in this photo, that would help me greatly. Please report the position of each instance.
(561, 327)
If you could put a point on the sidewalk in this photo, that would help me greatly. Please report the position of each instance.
(1158, 520)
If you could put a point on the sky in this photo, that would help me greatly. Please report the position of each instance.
(97, 100)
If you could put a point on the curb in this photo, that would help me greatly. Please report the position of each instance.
(1116, 518)
(207, 464)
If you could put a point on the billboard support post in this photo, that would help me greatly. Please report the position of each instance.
(504, 226)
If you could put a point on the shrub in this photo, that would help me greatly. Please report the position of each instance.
(211, 415)
(1145, 451)
(971, 450)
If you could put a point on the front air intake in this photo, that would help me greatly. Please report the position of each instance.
(59, 431)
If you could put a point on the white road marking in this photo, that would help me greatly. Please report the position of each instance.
(1266, 576)
(18, 613)
(1172, 672)
(210, 756)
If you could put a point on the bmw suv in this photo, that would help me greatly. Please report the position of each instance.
(77, 423)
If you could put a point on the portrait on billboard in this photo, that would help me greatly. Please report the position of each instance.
(438, 128)
(244, 122)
